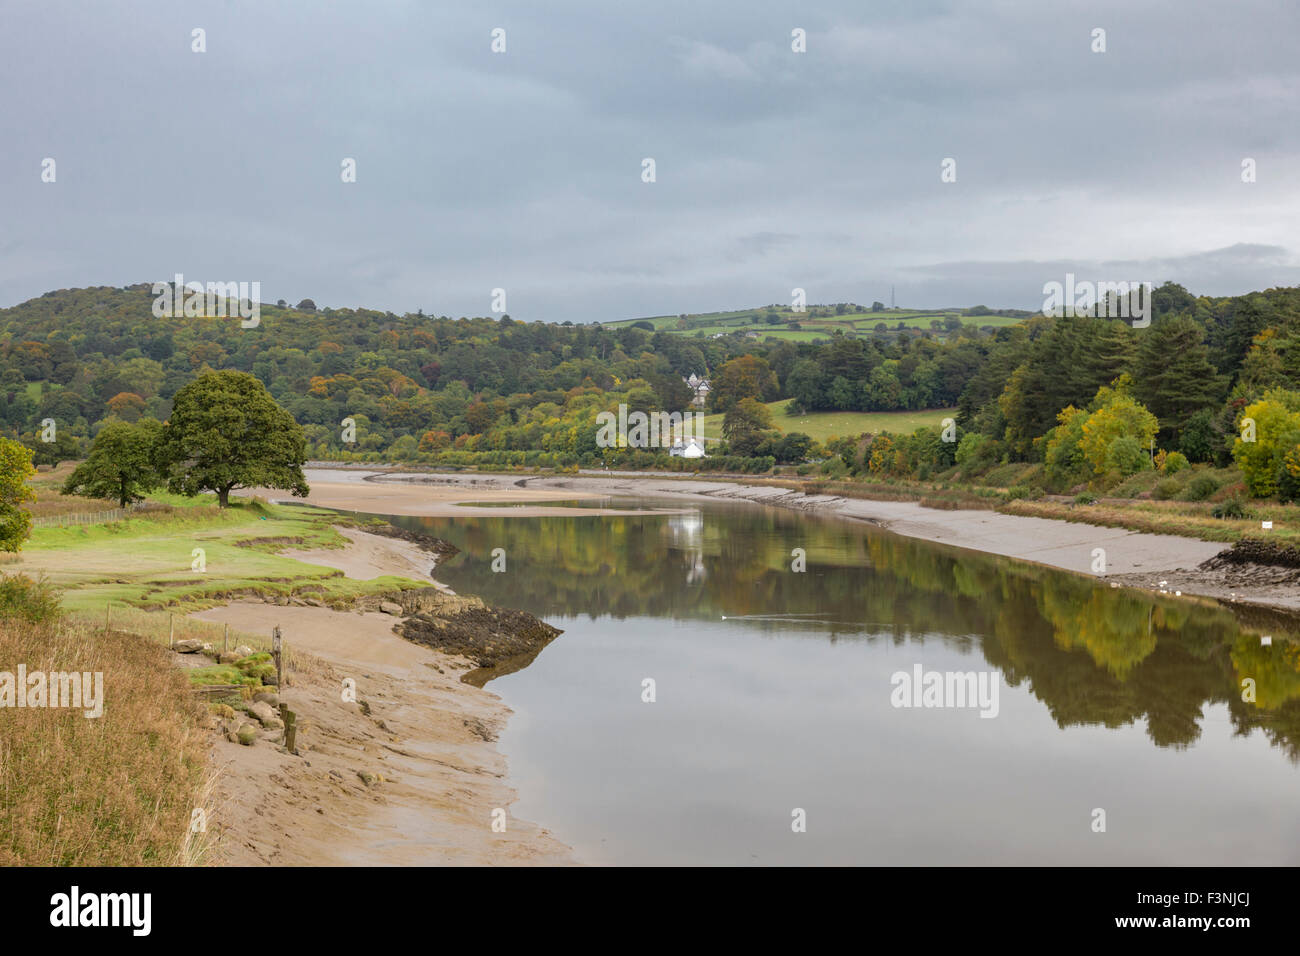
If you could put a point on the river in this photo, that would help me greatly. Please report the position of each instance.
(776, 735)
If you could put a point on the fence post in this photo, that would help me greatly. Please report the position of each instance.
(107, 611)
(275, 650)
(171, 631)
(225, 638)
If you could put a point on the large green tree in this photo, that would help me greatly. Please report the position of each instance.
(1173, 376)
(123, 463)
(227, 432)
(15, 469)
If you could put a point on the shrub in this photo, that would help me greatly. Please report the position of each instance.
(1085, 498)
(1200, 488)
(24, 599)
(1174, 462)
(1166, 488)
(1232, 508)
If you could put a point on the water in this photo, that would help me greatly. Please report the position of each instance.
(773, 694)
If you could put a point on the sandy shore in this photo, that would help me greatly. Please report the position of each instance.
(349, 490)
(428, 735)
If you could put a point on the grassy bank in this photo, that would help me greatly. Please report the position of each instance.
(115, 790)
(188, 554)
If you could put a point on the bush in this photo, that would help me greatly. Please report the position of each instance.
(1166, 489)
(1232, 508)
(34, 601)
(1174, 463)
(1200, 488)
(1085, 498)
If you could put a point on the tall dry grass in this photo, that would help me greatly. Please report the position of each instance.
(116, 790)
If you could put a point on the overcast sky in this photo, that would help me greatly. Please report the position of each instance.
(523, 170)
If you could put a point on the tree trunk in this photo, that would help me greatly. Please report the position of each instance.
(223, 497)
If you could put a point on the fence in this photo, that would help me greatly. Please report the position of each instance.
(80, 518)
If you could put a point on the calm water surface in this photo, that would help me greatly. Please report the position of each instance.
(773, 692)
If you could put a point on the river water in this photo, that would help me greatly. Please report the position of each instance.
(1119, 734)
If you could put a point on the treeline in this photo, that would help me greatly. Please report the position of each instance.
(371, 384)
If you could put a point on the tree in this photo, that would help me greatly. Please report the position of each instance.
(1117, 415)
(1173, 376)
(744, 424)
(15, 469)
(744, 377)
(227, 432)
(1261, 455)
(123, 463)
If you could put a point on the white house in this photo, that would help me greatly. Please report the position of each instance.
(691, 448)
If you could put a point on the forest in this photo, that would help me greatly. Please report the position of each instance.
(1093, 400)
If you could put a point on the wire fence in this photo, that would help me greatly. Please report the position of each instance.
(80, 518)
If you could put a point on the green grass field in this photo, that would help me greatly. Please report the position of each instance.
(148, 561)
(812, 328)
(823, 425)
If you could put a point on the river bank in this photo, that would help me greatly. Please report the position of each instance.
(1133, 559)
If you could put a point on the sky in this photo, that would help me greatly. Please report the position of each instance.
(774, 169)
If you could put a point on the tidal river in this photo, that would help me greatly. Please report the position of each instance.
(782, 724)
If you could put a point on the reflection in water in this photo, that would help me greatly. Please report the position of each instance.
(1091, 654)
(776, 680)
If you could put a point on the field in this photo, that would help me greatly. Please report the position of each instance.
(823, 425)
(240, 546)
(818, 323)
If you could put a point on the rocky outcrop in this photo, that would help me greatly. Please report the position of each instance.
(497, 640)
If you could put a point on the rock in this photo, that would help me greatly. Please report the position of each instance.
(207, 647)
(188, 645)
(247, 734)
(232, 736)
(370, 779)
(389, 607)
(229, 657)
(261, 710)
(273, 723)
(242, 651)
(266, 697)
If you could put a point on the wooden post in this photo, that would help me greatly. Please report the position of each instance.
(290, 727)
(225, 638)
(275, 651)
(107, 611)
(171, 631)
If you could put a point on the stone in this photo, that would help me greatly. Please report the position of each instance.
(389, 607)
(261, 710)
(242, 651)
(188, 645)
(266, 697)
(247, 734)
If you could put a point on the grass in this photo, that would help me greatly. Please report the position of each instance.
(148, 561)
(859, 324)
(113, 790)
(824, 425)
